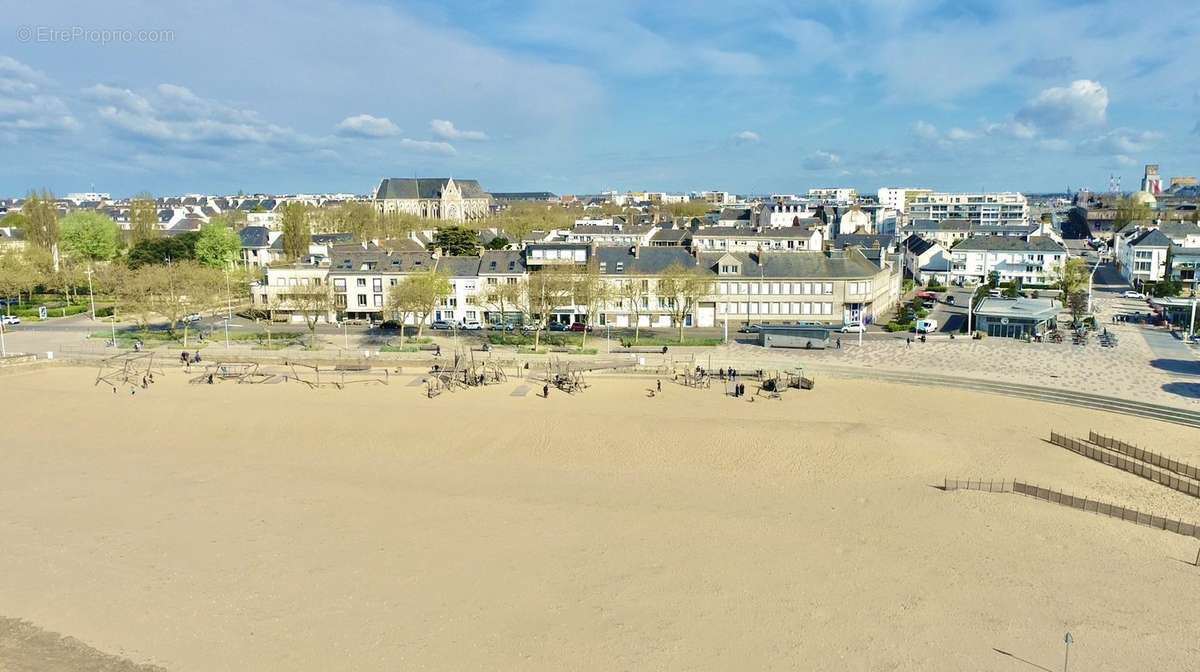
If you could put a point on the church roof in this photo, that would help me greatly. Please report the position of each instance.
(426, 187)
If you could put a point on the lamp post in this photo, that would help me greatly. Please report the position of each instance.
(3, 347)
(91, 296)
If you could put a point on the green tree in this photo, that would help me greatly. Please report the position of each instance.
(90, 235)
(590, 290)
(233, 219)
(143, 219)
(41, 228)
(15, 220)
(18, 275)
(1130, 211)
(297, 230)
(688, 209)
(163, 250)
(217, 246)
(683, 287)
(416, 297)
(545, 290)
(497, 243)
(1073, 277)
(314, 302)
(501, 298)
(455, 241)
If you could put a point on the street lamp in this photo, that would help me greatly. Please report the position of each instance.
(91, 296)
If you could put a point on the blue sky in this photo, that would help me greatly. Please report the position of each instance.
(577, 97)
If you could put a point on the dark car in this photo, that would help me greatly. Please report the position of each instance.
(949, 300)
(559, 326)
(750, 329)
(580, 326)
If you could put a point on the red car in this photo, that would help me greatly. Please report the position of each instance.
(580, 326)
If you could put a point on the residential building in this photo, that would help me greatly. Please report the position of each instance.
(838, 195)
(1141, 255)
(1008, 208)
(781, 213)
(899, 199)
(633, 274)
(1034, 261)
(832, 287)
(714, 197)
(948, 232)
(736, 216)
(925, 260)
(611, 234)
(441, 198)
(737, 238)
(463, 301)
(500, 268)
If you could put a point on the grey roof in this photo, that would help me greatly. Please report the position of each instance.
(499, 262)
(426, 187)
(1010, 244)
(736, 213)
(602, 229)
(850, 263)
(459, 266)
(1021, 307)
(864, 240)
(353, 258)
(671, 236)
(917, 245)
(522, 195)
(332, 238)
(649, 260)
(1151, 238)
(255, 236)
(746, 232)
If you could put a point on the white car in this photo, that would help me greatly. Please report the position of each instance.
(1130, 294)
(471, 325)
(9, 319)
(853, 329)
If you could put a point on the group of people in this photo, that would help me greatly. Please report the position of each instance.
(187, 359)
(739, 390)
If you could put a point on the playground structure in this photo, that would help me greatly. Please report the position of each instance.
(566, 376)
(238, 372)
(338, 375)
(464, 372)
(774, 384)
(694, 377)
(129, 368)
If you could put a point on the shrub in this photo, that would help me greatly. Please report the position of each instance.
(895, 326)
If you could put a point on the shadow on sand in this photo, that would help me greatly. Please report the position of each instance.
(1189, 390)
(1019, 659)
(1183, 366)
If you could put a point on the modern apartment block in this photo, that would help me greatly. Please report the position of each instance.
(987, 209)
(1033, 261)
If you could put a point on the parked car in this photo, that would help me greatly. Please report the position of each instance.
(190, 319)
(9, 319)
(444, 324)
(471, 325)
(853, 329)
(1130, 294)
(502, 326)
(929, 305)
(559, 326)
(750, 329)
(580, 326)
(926, 326)
(949, 299)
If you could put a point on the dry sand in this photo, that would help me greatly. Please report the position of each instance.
(275, 527)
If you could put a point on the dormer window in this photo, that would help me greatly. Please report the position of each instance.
(620, 267)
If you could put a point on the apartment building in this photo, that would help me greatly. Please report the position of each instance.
(831, 288)
(899, 199)
(750, 239)
(949, 232)
(1007, 208)
(1037, 260)
(1141, 255)
(611, 234)
(841, 195)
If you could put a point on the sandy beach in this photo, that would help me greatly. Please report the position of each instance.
(276, 527)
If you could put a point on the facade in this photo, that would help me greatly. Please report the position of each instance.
(737, 238)
(996, 209)
(925, 260)
(611, 234)
(1151, 181)
(1036, 261)
(433, 198)
(898, 199)
(830, 288)
(949, 232)
(1141, 256)
(834, 194)
(782, 213)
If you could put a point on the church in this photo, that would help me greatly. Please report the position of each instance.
(433, 198)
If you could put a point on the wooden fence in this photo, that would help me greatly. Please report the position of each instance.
(1146, 456)
(1080, 503)
(1135, 467)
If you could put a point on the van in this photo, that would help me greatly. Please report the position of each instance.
(926, 326)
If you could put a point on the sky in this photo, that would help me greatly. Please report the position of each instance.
(763, 96)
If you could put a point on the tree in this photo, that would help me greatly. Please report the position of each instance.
(313, 301)
(590, 290)
(1073, 277)
(41, 224)
(455, 241)
(520, 219)
(634, 293)
(1129, 211)
(416, 297)
(163, 250)
(233, 218)
(545, 290)
(502, 297)
(357, 218)
(683, 287)
(143, 219)
(18, 275)
(1077, 304)
(171, 291)
(217, 246)
(15, 220)
(497, 243)
(90, 235)
(688, 208)
(297, 231)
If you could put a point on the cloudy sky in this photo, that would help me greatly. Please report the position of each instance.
(575, 97)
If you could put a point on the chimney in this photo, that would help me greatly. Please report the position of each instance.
(635, 251)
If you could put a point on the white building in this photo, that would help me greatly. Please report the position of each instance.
(783, 213)
(1036, 261)
(989, 209)
(839, 195)
(1141, 256)
(899, 198)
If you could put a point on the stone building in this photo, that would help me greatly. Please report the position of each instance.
(433, 198)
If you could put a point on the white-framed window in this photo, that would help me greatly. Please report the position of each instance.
(806, 308)
(379, 300)
(828, 288)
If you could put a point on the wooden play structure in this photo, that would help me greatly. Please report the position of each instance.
(338, 375)
(238, 372)
(775, 383)
(465, 371)
(129, 368)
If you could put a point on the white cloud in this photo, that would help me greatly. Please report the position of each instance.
(746, 137)
(447, 131)
(926, 131)
(366, 126)
(959, 135)
(428, 146)
(173, 114)
(24, 107)
(1010, 128)
(1082, 104)
(821, 160)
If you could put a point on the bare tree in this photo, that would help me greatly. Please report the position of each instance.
(683, 287)
(545, 290)
(313, 302)
(634, 292)
(143, 219)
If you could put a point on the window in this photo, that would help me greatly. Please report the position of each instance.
(362, 300)
(491, 281)
(362, 282)
(339, 300)
(826, 308)
(828, 288)
(806, 308)
(510, 281)
(620, 267)
(377, 284)
(339, 284)
(470, 314)
(379, 300)
(807, 288)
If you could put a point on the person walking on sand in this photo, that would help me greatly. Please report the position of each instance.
(839, 343)
(545, 391)
(659, 384)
